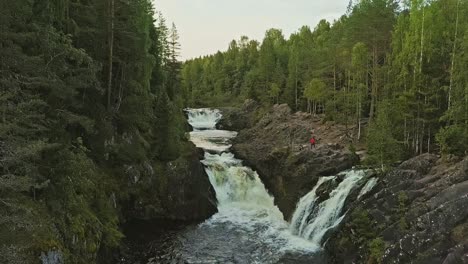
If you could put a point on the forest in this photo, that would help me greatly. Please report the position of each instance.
(394, 70)
(87, 90)
(92, 98)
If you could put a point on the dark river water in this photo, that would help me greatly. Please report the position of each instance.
(248, 228)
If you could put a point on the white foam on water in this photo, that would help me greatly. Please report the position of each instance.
(244, 204)
(243, 200)
(312, 221)
(203, 118)
(212, 140)
(305, 208)
(368, 187)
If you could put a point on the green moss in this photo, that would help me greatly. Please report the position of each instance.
(362, 223)
(402, 209)
(376, 251)
(292, 158)
(362, 236)
(460, 233)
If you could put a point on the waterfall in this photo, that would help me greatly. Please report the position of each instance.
(305, 208)
(368, 187)
(205, 134)
(244, 204)
(203, 118)
(247, 211)
(312, 221)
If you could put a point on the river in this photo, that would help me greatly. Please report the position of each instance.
(248, 227)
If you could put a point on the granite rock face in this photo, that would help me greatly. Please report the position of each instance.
(236, 119)
(419, 210)
(416, 213)
(276, 146)
(178, 190)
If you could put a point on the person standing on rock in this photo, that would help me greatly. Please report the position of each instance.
(312, 142)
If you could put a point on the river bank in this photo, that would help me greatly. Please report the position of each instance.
(413, 214)
(248, 227)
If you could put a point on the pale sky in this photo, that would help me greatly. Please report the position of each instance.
(206, 26)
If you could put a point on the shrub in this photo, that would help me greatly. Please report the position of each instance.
(453, 140)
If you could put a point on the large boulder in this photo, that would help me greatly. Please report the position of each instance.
(238, 118)
(190, 195)
(178, 189)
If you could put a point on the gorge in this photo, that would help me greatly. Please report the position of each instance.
(249, 227)
(115, 147)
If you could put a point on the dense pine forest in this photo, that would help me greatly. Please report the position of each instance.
(395, 71)
(93, 132)
(89, 91)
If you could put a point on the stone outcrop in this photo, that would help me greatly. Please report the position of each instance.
(276, 146)
(418, 210)
(190, 194)
(178, 190)
(236, 119)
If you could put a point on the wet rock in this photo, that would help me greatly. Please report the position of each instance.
(277, 147)
(457, 255)
(182, 190)
(236, 119)
(190, 195)
(52, 257)
(422, 164)
(324, 190)
(420, 212)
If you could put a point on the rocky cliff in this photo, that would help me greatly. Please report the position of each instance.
(34, 228)
(418, 213)
(275, 143)
(178, 190)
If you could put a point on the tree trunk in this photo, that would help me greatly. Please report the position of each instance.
(453, 57)
(422, 42)
(429, 140)
(334, 87)
(111, 52)
(374, 84)
(359, 122)
(295, 87)
(67, 16)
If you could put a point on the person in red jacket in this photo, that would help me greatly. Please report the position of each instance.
(312, 142)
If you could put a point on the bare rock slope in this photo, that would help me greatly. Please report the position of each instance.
(276, 146)
(417, 214)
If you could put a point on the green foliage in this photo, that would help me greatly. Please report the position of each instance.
(63, 145)
(402, 209)
(274, 92)
(453, 140)
(362, 223)
(410, 57)
(315, 90)
(315, 93)
(383, 147)
(459, 233)
(376, 251)
(364, 235)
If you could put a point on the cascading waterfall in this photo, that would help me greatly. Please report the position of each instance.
(243, 201)
(203, 118)
(368, 187)
(204, 134)
(305, 208)
(257, 230)
(312, 221)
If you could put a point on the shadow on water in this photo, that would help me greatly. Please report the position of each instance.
(151, 242)
(248, 227)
